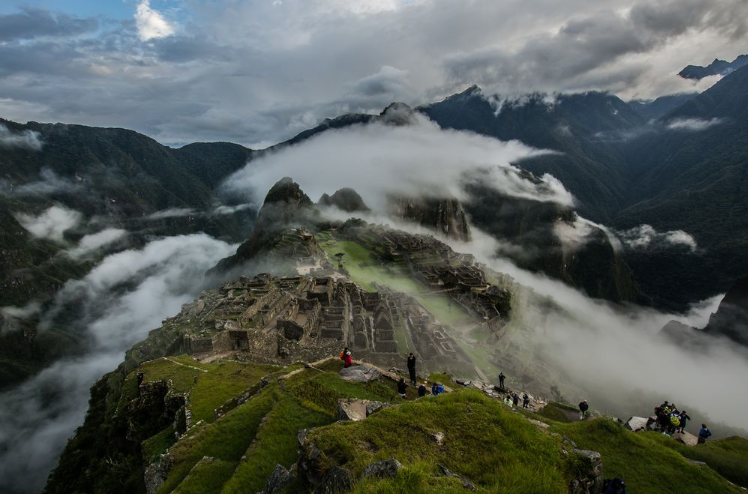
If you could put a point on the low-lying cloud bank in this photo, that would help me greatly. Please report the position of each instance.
(37, 418)
(693, 124)
(28, 139)
(94, 242)
(381, 160)
(618, 354)
(50, 224)
(645, 236)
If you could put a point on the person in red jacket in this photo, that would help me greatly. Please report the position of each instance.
(346, 357)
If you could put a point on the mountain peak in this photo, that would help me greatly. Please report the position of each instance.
(398, 114)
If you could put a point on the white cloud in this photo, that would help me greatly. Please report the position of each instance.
(693, 124)
(120, 301)
(171, 213)
(220, 210)
(151, 24)
(645, 236)
(378, 160)
(51, 224)
(92, 243)
(49, 183)
(614, 352)
(27, 139)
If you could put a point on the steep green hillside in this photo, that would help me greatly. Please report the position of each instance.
(442, 443)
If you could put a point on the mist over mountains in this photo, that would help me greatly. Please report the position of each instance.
(604, 204)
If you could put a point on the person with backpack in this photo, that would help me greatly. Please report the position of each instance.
(583, 407)
(673, 424)
(704, 434)
(614, 486)
(422, 390)
(401, 388)
(525, 401)
(346, 357)
(412, 368)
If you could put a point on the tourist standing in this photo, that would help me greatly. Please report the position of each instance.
(525, 401)
(501, 381)
(583, 407)
(346, 357)
(412, 368)
(684, 418)
(704, 434)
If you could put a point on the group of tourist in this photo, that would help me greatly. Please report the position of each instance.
(512, 400)
(669, 420)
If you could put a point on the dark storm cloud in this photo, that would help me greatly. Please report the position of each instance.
(260, 72)
(36, 23)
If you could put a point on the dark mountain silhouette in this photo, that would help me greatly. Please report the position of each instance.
(717, 67)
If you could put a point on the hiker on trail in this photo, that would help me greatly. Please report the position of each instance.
(704, 434)
(346, 357)
(501, 381)
(614, 486)
(583, 407)
(663, 420)
(422, 390)
(515, 399)
(684, 418)
(401, 387)
(525, 401)
(412, 368)
(508, 401)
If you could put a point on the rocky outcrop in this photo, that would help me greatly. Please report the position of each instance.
(360, 373)
(635, 424)
(313, 468)
(731, 318)
(445, 216)
(383, 469)
(345, 199)
(590, 478)
(357, 409)
(157, 472)
(278, 480)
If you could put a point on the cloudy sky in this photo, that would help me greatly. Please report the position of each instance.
(259, 71)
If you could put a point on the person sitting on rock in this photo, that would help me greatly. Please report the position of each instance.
(704, 434)
(401, 388)
(583, 407)
(422, 390)
(525, 401)
(684, 418)
(508, 401)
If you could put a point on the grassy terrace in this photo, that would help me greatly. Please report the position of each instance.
(485, 442)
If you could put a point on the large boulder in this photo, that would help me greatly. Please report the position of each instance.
(375, 406)
(686, 438)
(590, 479)
(360, 373)
(156, 473)
(337, 479)
(386, 468)
(352, 409)
(635, 424)
(279, 479)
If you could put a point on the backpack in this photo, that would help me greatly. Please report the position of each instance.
(675, 420)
